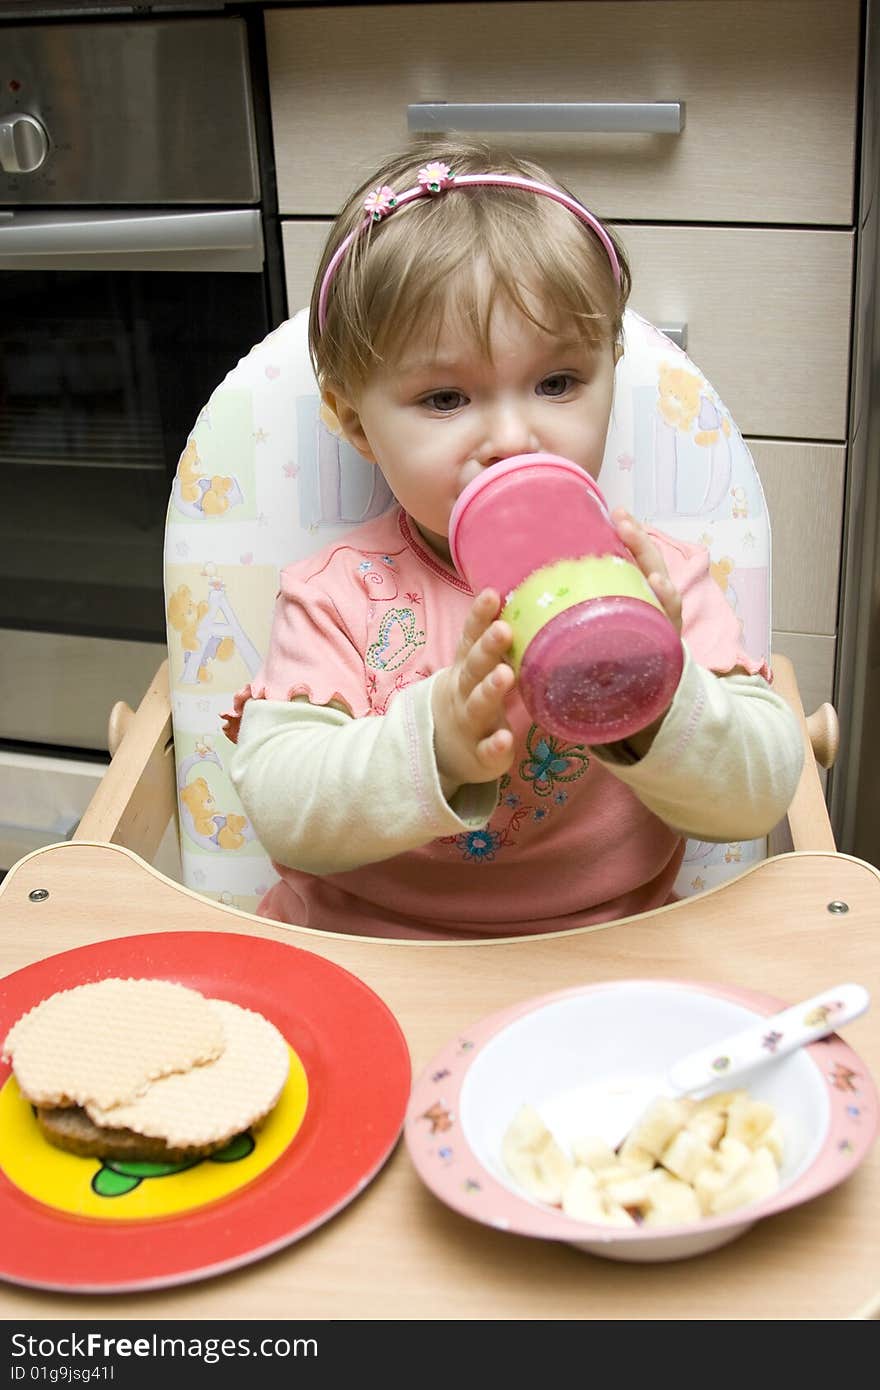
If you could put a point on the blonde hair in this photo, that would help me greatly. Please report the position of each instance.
(398, 279)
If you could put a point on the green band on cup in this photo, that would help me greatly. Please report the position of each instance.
(554, 588)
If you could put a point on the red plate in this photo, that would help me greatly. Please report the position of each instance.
(358, 1068)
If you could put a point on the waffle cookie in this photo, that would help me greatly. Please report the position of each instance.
(212, 1103)
(82, 1058)
(68, 1049)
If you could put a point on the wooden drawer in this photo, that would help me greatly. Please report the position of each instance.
(303, 245)
(813, 661)
(803, 486)
(769, 88)
(767, 312)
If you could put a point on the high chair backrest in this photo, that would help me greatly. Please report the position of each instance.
(265, 478)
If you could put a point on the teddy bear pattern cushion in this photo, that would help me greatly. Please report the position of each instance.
(264, 478)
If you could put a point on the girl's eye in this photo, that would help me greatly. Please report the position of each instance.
(556, 385)
(444, 401)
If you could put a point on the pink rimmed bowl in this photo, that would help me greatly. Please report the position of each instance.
(592, 1042)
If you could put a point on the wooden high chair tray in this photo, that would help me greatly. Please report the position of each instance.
(399, 1253)
(72, 1223)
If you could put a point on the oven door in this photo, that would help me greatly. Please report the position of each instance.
(114, 330)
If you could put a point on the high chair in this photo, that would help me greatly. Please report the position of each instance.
(265, 478)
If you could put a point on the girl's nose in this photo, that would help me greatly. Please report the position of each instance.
(508, 432)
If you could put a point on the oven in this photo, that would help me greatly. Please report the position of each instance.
(139, 260)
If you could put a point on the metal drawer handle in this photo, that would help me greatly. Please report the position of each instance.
(230, 240)
(676, 333)
(602, 117)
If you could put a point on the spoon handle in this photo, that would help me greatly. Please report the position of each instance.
(773, 1036)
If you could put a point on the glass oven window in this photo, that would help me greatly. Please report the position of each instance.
(102, 375)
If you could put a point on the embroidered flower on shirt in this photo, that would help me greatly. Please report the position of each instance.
(480, 845)
(379, 577)
(550, 761)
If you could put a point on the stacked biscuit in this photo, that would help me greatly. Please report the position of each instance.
(145, 1069)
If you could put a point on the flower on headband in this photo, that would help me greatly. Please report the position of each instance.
(380, 202)
(436, 176)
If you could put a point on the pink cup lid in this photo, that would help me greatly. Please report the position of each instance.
(524, 513)
(602, 670)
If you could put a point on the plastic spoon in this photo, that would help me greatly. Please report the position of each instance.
(708, 1068)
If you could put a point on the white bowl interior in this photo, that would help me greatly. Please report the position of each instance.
(579, 1059)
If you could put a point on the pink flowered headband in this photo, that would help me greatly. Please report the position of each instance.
(437, 177)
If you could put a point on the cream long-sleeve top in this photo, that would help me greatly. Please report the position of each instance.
(336, 770)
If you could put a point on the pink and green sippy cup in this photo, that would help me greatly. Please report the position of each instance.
(596, 656)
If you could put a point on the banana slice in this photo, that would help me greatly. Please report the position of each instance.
(616, 1216)
(522, 1168)
(720, 1102)
(660, 1124)
(773, 1140)
(632, 1191)
(593, 1152)
(710, 1125)
(757, 1179)
(532, 1156)
(672, 1203)
(635, 1158)
(684, 1161)
(554, 1166)
(748, 1119)
(686, 1155)
(526, 1130)
(731, 1157)
(582, 1200)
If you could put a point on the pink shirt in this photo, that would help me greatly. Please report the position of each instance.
(568, 843)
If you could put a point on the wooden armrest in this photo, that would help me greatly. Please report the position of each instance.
(808, 819)
(823, 726)
(137, 796)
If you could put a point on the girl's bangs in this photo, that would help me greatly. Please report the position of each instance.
(555, 292)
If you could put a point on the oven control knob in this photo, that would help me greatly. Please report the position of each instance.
(24, 143)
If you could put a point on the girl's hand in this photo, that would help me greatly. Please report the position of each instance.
(650, 561)
(472, 739)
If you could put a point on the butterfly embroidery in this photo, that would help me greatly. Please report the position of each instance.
(550, 760)
(398, 639)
